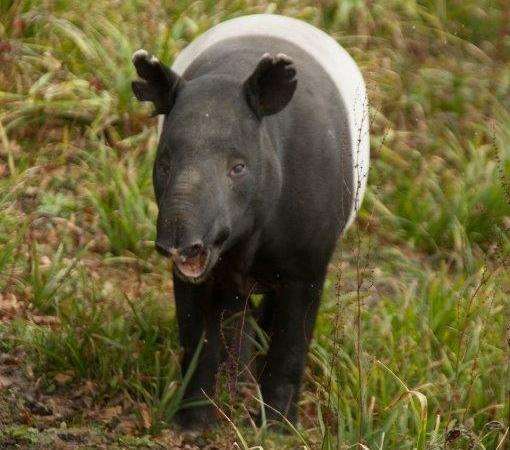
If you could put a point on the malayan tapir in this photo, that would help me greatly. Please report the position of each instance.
(261, 165)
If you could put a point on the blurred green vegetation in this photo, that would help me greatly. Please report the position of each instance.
(426, 366)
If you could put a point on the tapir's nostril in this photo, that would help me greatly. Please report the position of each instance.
(192, 250)
(222, 236)
(162, 249)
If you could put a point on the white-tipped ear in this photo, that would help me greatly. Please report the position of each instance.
(158, 84)
(140, 53)
(271, 85)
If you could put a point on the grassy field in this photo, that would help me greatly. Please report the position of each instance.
(411, 350)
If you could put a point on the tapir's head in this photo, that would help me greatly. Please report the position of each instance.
(216, 170)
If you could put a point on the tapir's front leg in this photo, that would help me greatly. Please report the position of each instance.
(204, 310)
(192, 302)
(289, 318)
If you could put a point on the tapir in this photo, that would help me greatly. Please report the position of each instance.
(261, 166)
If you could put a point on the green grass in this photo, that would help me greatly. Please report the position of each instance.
(416, 358)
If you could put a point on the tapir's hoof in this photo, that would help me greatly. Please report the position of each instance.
(275, 421)
(196, 419)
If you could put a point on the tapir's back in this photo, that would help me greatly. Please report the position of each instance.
(313, 51)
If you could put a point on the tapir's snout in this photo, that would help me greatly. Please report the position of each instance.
(191, 261)
(194, 219)
(163, 248)
(194, 254)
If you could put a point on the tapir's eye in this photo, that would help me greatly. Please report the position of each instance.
(161, 164)
(164, 168)
(238, 170)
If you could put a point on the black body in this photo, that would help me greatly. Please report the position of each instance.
(266, 224)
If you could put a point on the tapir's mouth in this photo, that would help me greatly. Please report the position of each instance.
(194, 266)
(195, 269)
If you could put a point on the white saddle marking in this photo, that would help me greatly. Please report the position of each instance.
(328, 53)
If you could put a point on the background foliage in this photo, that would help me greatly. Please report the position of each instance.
(411, 349)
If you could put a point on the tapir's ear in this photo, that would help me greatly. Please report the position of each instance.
(272, 84)
(158, 84)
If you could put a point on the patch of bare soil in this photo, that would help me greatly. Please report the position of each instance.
(60, 414)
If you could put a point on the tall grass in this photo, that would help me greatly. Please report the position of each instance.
(426, 365)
